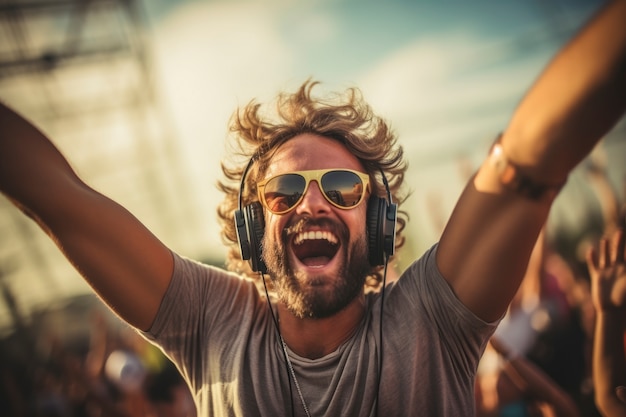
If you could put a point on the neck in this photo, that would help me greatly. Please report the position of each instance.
(315, 338)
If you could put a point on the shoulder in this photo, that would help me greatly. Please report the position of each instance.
(190, 270)
(200, 290)
(424, 289)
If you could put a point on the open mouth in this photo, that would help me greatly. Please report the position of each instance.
(315, 248)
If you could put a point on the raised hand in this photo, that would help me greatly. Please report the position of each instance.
(607, 267)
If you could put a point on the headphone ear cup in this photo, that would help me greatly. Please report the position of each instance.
(242, 234)
(389, 229)
(381, 229)
(375, 212)
(255, 225)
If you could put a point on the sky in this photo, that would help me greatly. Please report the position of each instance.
(446, 75)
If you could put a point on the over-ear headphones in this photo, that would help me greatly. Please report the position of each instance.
(380, 223)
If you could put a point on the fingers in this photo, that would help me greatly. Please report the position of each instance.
(610, 251)
(592, 259)
(603, 253)
(618, 246)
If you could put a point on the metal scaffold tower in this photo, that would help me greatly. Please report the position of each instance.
(81, 70)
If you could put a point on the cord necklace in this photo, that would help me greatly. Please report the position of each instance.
(293, 375)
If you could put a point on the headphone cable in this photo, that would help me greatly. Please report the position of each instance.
(380, 332)
(280, 338)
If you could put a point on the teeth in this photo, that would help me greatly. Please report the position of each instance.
(315, 235)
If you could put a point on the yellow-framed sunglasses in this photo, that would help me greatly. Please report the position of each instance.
(343, 188)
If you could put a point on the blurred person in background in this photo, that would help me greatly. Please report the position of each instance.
(510, 385)
(314, 210)
(544, 323)
(607, 268)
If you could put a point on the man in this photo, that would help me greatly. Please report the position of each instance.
(325, 347)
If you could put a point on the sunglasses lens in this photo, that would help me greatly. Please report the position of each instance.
(284, 192)
(344, 188)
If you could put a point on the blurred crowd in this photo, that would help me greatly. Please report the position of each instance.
(540, 360)
(103, 368)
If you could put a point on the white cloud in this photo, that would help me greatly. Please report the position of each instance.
(209, 59)
(440, 85)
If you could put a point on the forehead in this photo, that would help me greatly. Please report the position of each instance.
(308, 151)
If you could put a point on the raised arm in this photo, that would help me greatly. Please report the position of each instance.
(577, 99)
(126, 265)
(607, 268)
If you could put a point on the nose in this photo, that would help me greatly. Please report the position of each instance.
(313, 202)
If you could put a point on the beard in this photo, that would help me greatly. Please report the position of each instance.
(304, 300)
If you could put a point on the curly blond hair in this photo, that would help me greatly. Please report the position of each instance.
(346, 118)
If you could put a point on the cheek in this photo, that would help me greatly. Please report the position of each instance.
(274, 225)
(356, 220)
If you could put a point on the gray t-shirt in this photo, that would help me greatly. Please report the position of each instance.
(217, 328)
